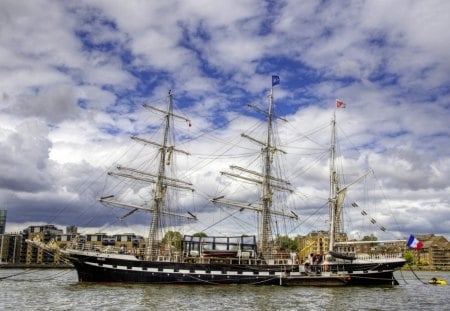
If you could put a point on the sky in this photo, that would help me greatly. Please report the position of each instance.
(74, 76)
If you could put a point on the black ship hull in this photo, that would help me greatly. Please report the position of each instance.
(108, 270)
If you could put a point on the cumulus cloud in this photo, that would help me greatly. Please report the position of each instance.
(73, 77)
(25, 159)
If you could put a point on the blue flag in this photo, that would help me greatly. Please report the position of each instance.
(275, 80)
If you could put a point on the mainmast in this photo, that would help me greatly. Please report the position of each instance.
(267, 192)
(267, 182)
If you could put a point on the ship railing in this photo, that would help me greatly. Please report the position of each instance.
(281, 259)
(107, 249)
(222, 260)
(314, 269)
(241, 260)
(101, 249)
(375, 257)
(169, 258)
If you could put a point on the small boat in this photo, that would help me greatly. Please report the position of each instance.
(435, 281)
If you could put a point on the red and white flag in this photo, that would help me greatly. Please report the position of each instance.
(340, 103)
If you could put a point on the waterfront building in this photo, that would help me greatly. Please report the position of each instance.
(11, 245)
(126, 242)
(15, 250)
(129, 242)
(33, 255)
(71, 230)
(315, 242)
(435, 251)
(2, 221)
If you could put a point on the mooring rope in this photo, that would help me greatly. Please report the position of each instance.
(416, 275)
(403, 277)
(216, 283)
(13, 275)
(56, 275)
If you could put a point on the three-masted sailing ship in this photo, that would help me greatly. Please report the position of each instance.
(229, 259)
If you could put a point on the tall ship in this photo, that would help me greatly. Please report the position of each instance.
(240, 259)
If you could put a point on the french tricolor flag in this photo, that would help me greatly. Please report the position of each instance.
(414, 243)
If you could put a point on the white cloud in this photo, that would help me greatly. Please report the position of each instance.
(73, 75)
(25, 157)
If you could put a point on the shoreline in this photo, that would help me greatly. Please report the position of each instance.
(424, 268)
(69, 266)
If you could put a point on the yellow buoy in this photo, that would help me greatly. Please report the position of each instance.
(435, 281)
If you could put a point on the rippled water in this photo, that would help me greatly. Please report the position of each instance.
(59, 290)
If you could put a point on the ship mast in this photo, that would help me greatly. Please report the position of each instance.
(160, 189)
(334, 186)
(267, 192)
(267, 182)
(337, 191)
(160, 180)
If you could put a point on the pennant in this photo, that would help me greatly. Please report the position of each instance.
(275, 80)
(414, 243)
(340, 103)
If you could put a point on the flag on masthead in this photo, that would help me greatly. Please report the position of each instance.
(340, 103)
(275, 80)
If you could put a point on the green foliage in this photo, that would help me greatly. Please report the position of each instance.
(172, 239)
(422, 262)
(409, 257)
(286, 244)
(200, 234)
(370, 237)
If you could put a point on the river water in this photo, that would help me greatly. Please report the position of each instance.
(59, 290)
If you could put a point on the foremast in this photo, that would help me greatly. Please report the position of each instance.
(335, 218)
(337, 192)
(267, 182)
(160, 180)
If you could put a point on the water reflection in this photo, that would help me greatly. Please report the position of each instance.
(59, 290)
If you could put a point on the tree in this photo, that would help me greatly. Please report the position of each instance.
(409, 257)
(286, 244)
(172, 239)
(200, 234)
(370, 237)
